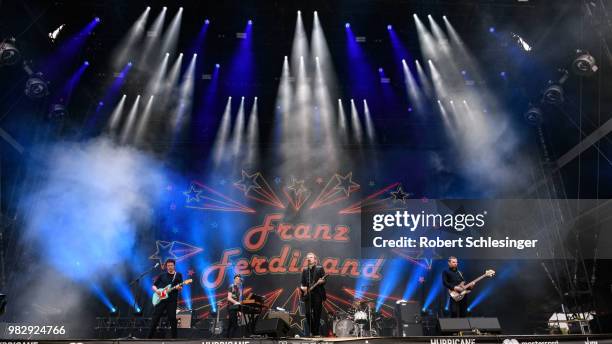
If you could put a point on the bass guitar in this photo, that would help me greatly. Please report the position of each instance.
(459, 295)
(165, 291)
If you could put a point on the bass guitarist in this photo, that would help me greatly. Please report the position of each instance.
(313, 291)
(452, 278)
(168, 305)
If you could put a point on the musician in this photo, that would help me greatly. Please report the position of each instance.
(168, 306)
(451, 278)
(312, 274)
(234, 297)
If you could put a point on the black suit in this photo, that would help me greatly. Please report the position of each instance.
(314, 303)
(450, 279)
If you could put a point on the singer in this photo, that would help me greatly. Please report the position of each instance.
(313, 289)
(168, 306)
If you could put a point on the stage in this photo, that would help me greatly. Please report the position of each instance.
(505, 339)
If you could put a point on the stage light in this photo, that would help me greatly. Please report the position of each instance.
(138, 312)
(9, 54)
(100, 103)
(58, 111)
(36, 87)
(206, 21)
(463, 72)
(584, 64)
(86, 63)
(55, 33)
(129, 64)
(389, 27)
(113, 312)
(217, 65)
(553, 94)
(491, 29)
(502, 74)
(250, 22)
(347, 25)
(300, 12)
(533, 115)
(97, 19)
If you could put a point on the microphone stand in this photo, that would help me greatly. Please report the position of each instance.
(309, 294)
(136, 292)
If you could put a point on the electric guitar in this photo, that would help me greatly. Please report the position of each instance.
(217, 327)
(458, 296)
(306, 294)
(166, 291)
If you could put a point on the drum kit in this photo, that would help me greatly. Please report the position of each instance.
(360, 321)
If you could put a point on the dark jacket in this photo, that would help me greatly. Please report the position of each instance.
(313, 274)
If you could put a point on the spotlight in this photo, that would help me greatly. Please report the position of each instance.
(97, 19)
(9, 54)
(553, 94)
(533, 115)
(138, 311)
(584, 64)
(130, 63)
(389, 27)
(502, 74)
(300, 12)
(380, 70)
(206, 21)
(491, 29)
(347, 25)
(250, 22)
(86, 63)
(217, 65)
(113, 312)
(36, 87)
(58, 111)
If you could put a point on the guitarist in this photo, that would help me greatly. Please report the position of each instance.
(171, 276)
(312, 274)
(451, 278)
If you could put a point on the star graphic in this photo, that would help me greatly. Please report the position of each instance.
(193, 194)
(399, 195)
(248, 182)
(297, 186)
(164, 251)
(346, 184)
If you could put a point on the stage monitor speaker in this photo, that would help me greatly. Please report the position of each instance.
(454, 325)
(489, 325)
(272, 327)
(411, 330)
(408, 312)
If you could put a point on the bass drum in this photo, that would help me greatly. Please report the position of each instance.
(344, 328)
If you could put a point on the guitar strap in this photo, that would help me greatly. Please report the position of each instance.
(460, 274)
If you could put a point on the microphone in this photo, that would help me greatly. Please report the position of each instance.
(156, 265)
